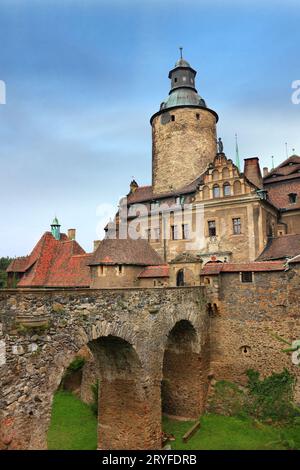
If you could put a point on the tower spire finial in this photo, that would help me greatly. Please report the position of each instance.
(237, 153)
(181, 48)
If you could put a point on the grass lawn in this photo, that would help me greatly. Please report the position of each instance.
(230, 433)
(73, 425)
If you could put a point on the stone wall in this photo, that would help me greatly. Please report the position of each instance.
(249, 314)
(43, 330)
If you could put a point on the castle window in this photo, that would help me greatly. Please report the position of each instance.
(175, 79)
(226, 189)
(216, 190)
(197, 116)
(293, 198)
(172, 117)
(247, 276)
(120, 270)
(185, 231)
(245, 350)
(174, 232)
(212, 231)
(236, 226)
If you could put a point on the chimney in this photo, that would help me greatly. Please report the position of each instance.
(265, 171)
(252, 171)
(72, 234)
(96, 244)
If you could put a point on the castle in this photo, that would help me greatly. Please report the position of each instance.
(195, 282)
(249, 222)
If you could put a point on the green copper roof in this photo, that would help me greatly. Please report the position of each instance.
(182, 63)
(183, 97)
(55, 221)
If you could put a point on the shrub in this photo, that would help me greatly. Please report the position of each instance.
(271, 398)
(267, 399)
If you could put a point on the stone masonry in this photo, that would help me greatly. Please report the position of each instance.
(127, 332)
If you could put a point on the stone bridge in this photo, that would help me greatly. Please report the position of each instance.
(151, 350)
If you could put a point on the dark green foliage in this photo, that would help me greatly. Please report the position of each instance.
(77, 364)
(267, 399)
(271, 398)
(95, 392)
(4, 263)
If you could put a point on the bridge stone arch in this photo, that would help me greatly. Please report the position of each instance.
(136, 321)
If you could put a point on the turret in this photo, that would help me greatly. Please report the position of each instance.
(55, 229)
(183, 133)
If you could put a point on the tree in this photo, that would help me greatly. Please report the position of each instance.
(4, 263)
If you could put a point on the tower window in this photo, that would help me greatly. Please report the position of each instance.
(247, 276)
(175, 79)
(197, 116)
(212, 231)
(172, 117)
(293, 198)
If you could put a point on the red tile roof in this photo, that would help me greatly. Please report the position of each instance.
(216, 268)
(286, 246)
(155, 271)
(54, 263)
(282, 181)
(18, 265)
(146, 194)
(119, 251)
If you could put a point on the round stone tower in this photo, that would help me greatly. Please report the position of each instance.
(183, 133)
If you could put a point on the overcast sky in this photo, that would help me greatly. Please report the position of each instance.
(84, 77)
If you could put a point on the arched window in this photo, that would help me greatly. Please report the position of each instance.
(180, 278)
(206, 192)
(216, 190)
(226, 189)
(215, 175)
(237, 187)
(225, 173)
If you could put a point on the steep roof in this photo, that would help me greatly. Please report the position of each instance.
(216, 268)
(282, 181)
(287, 168)
(119, 251)
(53, 263)
(146, 194)
(154, 271)
(285, 246)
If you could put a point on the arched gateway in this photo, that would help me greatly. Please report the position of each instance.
(135, 337)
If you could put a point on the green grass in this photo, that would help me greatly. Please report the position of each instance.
(73, 425)
(231, 433)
